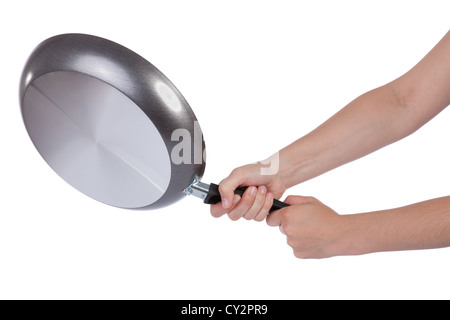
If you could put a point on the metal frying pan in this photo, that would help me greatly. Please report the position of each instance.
(112, 125)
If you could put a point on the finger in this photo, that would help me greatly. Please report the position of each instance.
(244, 204)
(262, 214)
(227, 187)
(275, 218)
(217, 209)
(258, 203)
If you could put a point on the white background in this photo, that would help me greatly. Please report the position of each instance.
(258, 74)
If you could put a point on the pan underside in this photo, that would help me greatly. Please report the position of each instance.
(97, 139)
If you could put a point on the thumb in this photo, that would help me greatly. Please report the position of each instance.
(292, 200)
(276, 217)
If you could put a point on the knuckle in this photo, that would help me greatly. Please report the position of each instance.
(251, 213)
(236, 172)
(286, 217)
(289, 198)
(246, 201)
(262, 214)
(259, 218)
(290, 241)
(267, 204)
(287, 229)
(223, 187)
(248, 198)
(233, 217)
(260, 200)
(216, 212)
(300, 254)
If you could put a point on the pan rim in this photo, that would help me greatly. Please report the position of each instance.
(100, 58)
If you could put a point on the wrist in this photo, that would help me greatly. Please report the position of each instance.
(296, 165)
(359, 234)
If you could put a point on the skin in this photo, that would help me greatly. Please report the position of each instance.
(371, 121)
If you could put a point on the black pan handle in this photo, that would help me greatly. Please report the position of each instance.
(213, 197)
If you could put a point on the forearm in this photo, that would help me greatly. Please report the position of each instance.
(373, 120)
(423, 225)
(370, 122)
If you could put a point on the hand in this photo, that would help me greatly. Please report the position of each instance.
(256, 200)
(313, 230)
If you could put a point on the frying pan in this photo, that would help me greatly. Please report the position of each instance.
(112, 125)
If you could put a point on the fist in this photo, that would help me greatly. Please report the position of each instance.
(312, 229)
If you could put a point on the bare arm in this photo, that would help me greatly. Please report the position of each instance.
(368, 123)
(373, 120)
(313, 230)
(424, 225)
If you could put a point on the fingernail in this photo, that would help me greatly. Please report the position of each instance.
(252, 191)
(225, 203)
(262, 189)
(236, 199)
